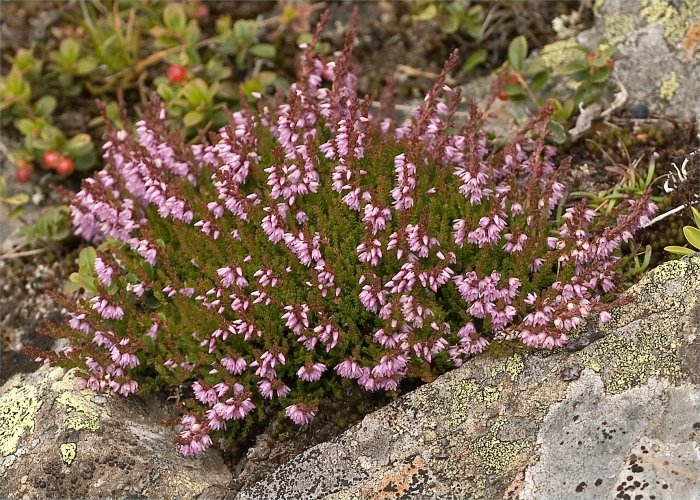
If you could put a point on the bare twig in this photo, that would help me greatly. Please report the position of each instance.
(26, 253)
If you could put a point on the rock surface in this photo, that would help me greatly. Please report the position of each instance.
(57, 441)
(658, 57)
(619, 418)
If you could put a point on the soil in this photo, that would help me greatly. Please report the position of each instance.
(25, 305)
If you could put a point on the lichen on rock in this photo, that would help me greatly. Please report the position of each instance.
(18, 407)
(543, 437)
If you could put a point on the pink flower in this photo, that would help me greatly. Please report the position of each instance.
(300, 414)
(311, 372)
(348, 369)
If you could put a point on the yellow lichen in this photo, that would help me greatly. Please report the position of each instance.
(646, 344)
(557, 54)
(675, 21)
(669, 86)
(18, 408)
(496, 455)
(82, 414)
(617, 28)
(68, 452)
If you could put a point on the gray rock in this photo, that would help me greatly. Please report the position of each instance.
(657, 58)
(57, 441)
(629, 421)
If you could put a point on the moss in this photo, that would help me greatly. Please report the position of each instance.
(18, 409)
(617, 28)
(496, 455)
(68, 452)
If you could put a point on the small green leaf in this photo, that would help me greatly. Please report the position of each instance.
(514, 90)
(69, 51)
(517, 52)
(428, 13)
(165, 91)
(174, 17)
(192, 118)
(539, 81)
(696, 216)
(451, 23)
(52, 136)
(85, 66)
(601, 75)
(45, 106)
(26, 126)
(692, 234)
(86, 259)
(475, 58)
(264, 50)
(79, 145)
(533, 66)
(196, 92)
(679, 250)
(16, 200)
(557, 132)
(574, 67)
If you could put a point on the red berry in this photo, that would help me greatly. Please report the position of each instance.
(610, 64)
(201, 10)
(65, 166)
(176, 73)
(51, 159)
(23, 173)
(503, 96)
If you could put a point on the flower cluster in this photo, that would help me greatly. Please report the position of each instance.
(312, 242)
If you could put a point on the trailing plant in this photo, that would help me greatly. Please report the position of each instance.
(311, 244)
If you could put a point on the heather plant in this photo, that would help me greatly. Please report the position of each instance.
(313, 244)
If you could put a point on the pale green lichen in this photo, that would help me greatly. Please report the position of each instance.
(558, 54)
(18, 408)
(647, 346)
(669, 86)
(514, 366)
(497, 455)
(68, 452)
(82, 414)
(631, 364)
(617, 28)
(675, 20)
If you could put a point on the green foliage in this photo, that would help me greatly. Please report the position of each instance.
(692, 236)
(85, 279)
(456, 16)
(631, 186)
(528, 80)
(107, 50)
(53, 225)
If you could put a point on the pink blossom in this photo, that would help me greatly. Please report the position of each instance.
(300, 414)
